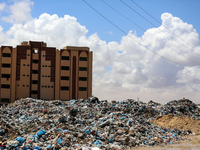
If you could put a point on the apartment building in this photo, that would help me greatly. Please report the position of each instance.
(34, 70)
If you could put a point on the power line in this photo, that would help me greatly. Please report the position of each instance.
(123, 15)
(163, 25)
(155, 25)
(129, 35)
(143, 29)
(145, 11)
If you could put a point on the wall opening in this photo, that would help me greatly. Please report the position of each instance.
(6, 54)
(74, 78)
(65, 58)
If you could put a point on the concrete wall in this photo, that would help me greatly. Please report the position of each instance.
(34, 70)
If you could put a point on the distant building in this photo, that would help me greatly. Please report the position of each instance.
(34, 70)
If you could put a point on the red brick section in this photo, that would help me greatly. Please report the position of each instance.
(21, 54)
(51, 56)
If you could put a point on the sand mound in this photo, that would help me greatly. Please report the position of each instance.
(182, 122)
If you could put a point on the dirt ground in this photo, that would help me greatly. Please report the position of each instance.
(191, 142)
(170, 121)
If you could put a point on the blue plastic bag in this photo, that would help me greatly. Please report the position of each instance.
(37, 147)
(20, 140)
(41, 132)
(60, 141)
(87, 131)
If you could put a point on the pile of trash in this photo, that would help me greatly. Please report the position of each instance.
(89, 124)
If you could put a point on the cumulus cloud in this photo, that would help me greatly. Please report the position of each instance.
(189, 75)
(2, 6)
(134, 71)
(50, 28)
(19, 12)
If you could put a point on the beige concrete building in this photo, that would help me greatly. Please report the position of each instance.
(34, 70)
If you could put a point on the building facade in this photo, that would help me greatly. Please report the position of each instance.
(34, 70)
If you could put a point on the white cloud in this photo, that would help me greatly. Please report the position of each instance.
(189, 75)
(2, 6)
(3, 37)
(135, 71)
(20, 12)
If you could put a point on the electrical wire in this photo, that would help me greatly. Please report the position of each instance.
(154, 25)
(145, 30)
(163, 25)
(129, 35)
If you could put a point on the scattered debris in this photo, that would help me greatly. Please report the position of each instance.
(94, 124)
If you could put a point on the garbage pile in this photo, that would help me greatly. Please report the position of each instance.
(89, 124)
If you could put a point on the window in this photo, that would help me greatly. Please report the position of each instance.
(64, 78)
(82, 78)
(82, 89)
(48, 86)
(5, 86)
(6, 65)
(82, 68)
(42, 65)
(51, 86)
(83, 58)
(6, 100)
(27, 75)
(5, 75)
(23, 75)
(6, 55)
(65, 58)
(34, 81)
(64, 68)
(27, 64)
(24, 65)
(35, 61)
(34, 71)
(34, 92)
(64, 88)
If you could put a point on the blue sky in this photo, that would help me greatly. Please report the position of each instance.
(148, 64)
(186, 10)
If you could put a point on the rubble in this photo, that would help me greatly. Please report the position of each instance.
(90, 124)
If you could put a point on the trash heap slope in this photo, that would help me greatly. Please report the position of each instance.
(38, 124)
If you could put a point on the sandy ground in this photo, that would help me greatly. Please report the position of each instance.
(182, 122)
(191, 142)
